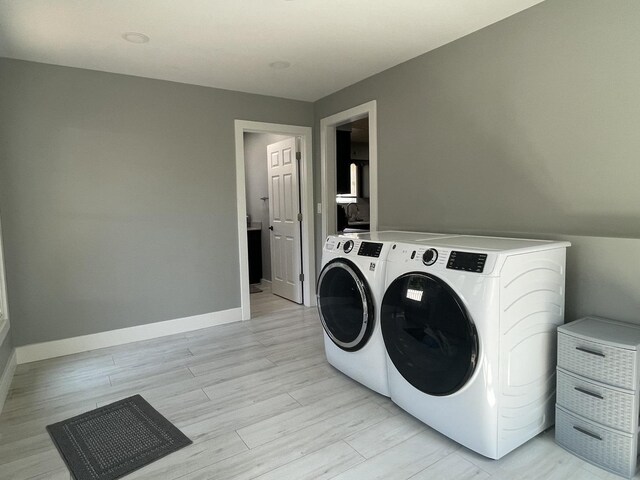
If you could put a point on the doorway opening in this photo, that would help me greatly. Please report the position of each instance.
(349, 160)
(352, 177)
(275, 211)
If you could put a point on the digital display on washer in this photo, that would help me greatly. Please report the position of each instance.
(469, 262)
(370, 249)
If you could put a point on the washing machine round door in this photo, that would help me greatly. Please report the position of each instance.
(430, 337)
(345, 305)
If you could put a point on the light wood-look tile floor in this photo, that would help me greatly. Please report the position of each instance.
(259, 400)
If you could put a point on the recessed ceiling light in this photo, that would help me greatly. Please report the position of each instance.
(135, 37)
(279, 65)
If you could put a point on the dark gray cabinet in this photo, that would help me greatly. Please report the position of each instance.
(343, 162)
(254, 238)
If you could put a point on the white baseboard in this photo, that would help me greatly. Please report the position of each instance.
(68, 346)
(5, 380)
(264, 281)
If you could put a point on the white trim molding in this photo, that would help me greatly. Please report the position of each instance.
(84, 343)
(306, 206)
(4, 330)
(7, 377)
(328, 163)
(4, 305)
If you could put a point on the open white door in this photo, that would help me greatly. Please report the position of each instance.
(284, 207)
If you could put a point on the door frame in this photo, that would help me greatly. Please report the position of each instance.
(328, 162)
(4, 316)
(306, 207)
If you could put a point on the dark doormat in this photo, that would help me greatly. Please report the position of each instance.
(112, 441)
(254, 289)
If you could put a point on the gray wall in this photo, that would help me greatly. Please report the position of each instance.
(527, 127)
(118, 197)
(256, 180)
(602, 277)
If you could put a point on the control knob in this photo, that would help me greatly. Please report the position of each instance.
(430, 256)
(348, 246)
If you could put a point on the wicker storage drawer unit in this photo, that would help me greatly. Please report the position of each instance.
(597, 404)
(605, 447)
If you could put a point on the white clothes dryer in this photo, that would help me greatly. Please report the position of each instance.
(349, 290)
(469, 326)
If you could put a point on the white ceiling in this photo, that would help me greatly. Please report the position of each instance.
(230, 43)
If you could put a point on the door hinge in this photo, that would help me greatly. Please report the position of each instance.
(299, 217)
(298, 155)
(301, 277)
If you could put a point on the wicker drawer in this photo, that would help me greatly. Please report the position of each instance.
(596, 402)
(603, 363)
(613, 451)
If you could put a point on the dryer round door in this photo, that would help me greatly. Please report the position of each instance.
(345, 305)
(428, 333)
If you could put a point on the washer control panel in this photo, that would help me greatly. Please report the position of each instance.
(420, 255)
(370, 249)
(441, 259)
(347, 246)
(467, 261)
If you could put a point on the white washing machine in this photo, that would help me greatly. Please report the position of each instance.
(469, 325)
(349, 290)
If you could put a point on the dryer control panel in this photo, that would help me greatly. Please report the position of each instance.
(352, 246)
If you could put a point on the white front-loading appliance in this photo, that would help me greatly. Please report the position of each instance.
(349, 291)
(469, 326)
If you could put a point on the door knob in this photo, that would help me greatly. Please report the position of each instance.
(271, 228)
